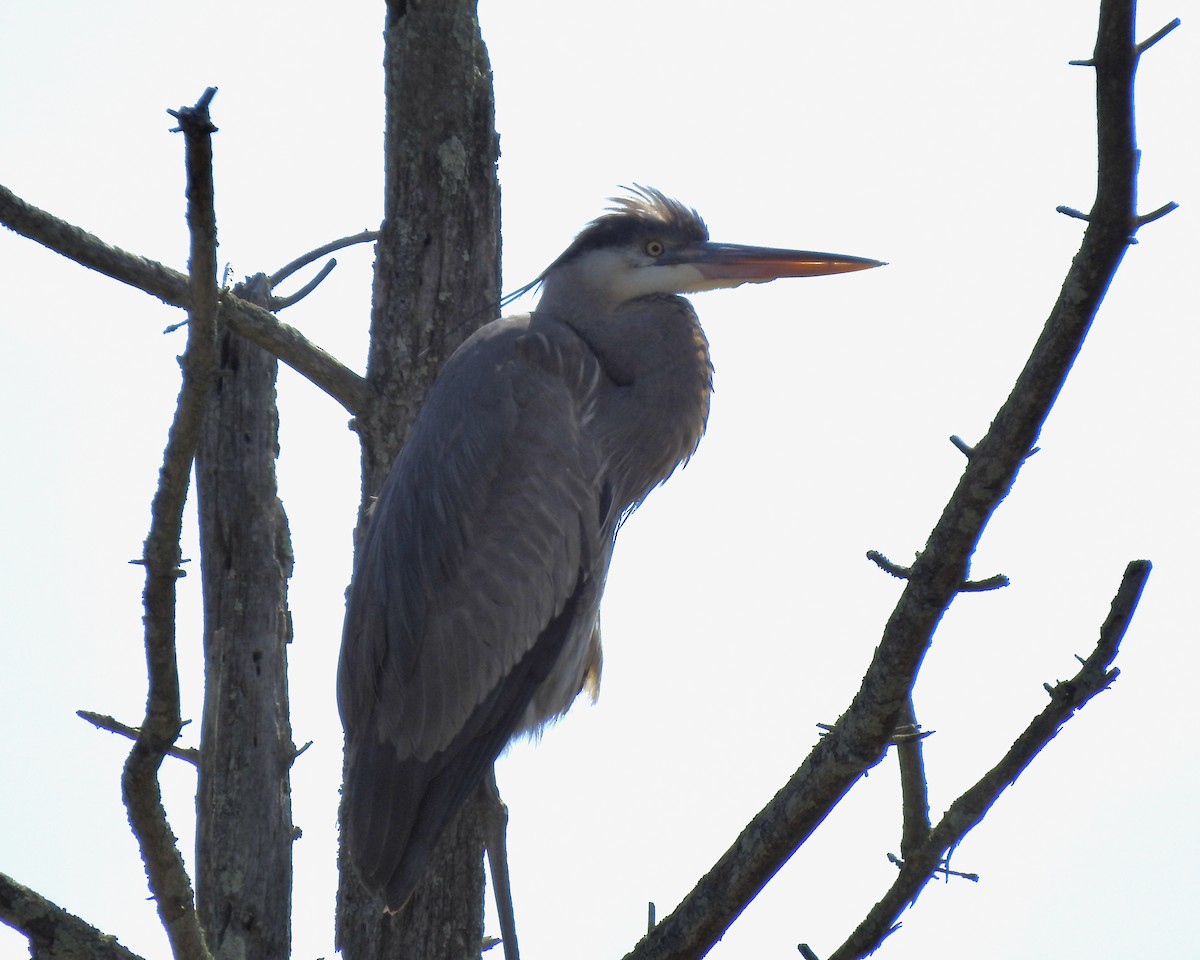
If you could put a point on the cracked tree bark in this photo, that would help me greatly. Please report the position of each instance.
(437, 278)
(243, 799)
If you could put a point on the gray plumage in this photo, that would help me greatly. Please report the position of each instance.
(473, 612)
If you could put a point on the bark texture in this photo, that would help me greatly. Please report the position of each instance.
(437, 278)
(243, 801)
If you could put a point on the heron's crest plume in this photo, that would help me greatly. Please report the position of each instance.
(643, 210)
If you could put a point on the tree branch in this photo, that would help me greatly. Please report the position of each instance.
(281, 303)
(859, 738)
(1156, 36)
(366, 236)
(102, 721)
(53, 933)
(245, 319)
(914, 789)
(969, 809)
(1157, 214)
(995, 582)
(167, 876)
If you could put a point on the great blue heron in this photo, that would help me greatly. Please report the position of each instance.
(473, 611)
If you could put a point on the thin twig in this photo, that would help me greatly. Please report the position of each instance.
(962, 446)
(947, 872)
(1161, 212)
(168, 879)
(1156, 36)
(280, 303)
(1072, 212)
(968, 810)
(942, 870)
(888, 566)
(104, 722)
(366, 236)
(996, 581)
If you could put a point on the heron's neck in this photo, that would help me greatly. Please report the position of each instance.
(656, 358)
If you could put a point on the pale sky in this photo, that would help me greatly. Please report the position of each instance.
(740, 611)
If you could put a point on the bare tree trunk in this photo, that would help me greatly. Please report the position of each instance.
(243, 802)
(437, 278)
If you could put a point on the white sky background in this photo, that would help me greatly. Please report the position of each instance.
(740, 611)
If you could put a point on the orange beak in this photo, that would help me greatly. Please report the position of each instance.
(735, 262)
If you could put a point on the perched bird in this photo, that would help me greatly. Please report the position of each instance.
(473, 611)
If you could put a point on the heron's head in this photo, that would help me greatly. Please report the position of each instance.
(650, 244)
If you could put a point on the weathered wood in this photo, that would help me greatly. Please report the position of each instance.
(437, 278)
(243, 801)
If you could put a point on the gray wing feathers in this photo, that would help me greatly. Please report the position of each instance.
(476, 546)
(482, 564)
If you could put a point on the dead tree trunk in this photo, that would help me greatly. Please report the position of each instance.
(243, 800)
(437, 278)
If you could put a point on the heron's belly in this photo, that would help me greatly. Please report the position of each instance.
(577, 670)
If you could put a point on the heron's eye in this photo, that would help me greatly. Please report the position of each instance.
(655, 248)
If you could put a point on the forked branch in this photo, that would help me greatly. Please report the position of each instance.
(172, 287)
(860, 737)
(302, 261)
(967, 811)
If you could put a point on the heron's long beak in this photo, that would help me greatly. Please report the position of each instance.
(734, 263)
